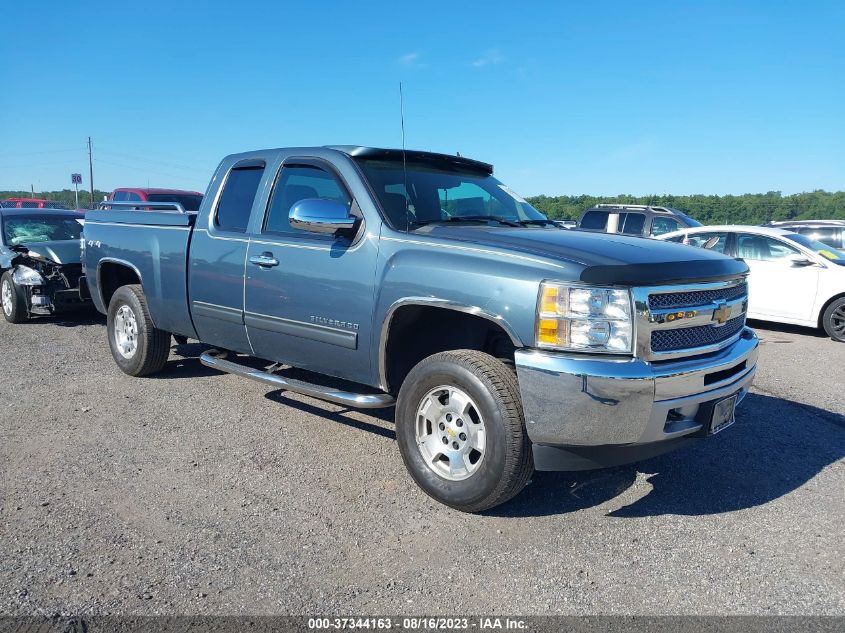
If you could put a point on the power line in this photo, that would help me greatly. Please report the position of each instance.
(46, 151)
(144, 170)
(155, 162)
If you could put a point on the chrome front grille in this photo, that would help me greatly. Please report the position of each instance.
(693, 298)
(688, 320)
(691, 337)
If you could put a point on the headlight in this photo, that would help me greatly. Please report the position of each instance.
(26, 276)
(579, 318)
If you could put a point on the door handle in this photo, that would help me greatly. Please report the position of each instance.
(265, 260)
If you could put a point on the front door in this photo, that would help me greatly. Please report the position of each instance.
(776, 288)
(308, 296)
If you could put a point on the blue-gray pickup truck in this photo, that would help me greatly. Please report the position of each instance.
(420, 281)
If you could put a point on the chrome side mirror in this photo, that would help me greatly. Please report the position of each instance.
(319, 215)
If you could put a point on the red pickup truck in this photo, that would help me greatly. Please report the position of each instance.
(31, 203)
(190, 200)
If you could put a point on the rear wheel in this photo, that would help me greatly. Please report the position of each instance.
(138, 348)
(461, 432)
(833, 320)
(13, 299)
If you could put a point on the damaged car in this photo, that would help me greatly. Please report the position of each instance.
(40, 261)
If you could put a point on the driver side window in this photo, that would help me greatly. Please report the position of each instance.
(299, 182)
(761, 248)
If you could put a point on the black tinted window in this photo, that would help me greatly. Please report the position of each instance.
(235, 203)
(826, 235)
(297, 183)
(189, 202)
(596, 220)
(631, 223)
(659, 226)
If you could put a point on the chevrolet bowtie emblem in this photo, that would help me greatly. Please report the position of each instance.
(722, 314)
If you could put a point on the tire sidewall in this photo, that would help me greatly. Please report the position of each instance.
(18, 313)
(125, 296)
(482, 483)
(827, 320)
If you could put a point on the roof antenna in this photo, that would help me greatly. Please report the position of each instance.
(404, 164)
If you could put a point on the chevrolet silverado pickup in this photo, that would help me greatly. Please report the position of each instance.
(418, 281)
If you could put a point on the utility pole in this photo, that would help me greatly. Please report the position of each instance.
(91, 172)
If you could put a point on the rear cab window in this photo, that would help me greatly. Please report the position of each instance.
(235, 204)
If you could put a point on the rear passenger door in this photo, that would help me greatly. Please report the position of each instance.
(312, 305)
(217, 259)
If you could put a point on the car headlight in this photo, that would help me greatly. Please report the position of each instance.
(581, 318)
(26, 276)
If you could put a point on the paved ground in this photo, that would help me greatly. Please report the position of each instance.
(196, 492)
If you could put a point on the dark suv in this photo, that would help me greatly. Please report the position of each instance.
(634, 219)
(830, 232)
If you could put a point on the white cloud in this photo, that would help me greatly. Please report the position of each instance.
(409, 59)
(490, 57)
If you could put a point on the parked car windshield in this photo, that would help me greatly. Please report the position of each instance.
(837, 257)
(26, 229)
(440, 194)
(188, 202)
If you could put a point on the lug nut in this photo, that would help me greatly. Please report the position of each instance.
(460, 422)
(448, 417)
(442, 427)
(454, 445)
(445, 441)
(463, 437)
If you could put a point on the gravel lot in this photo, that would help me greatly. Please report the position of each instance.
(195, 492)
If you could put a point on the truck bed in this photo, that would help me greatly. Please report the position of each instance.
(152, 243)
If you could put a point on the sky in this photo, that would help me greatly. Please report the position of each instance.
(562, 97)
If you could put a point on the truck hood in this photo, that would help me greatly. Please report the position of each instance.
(606, 258)
(60, 252)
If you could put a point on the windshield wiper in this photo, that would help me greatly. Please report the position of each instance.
(470, 218)
(535, 222)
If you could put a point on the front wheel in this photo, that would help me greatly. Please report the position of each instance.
(833, 320)
(138, 348)
(13, 299)
(461, 432)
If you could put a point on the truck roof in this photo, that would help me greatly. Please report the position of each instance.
(376, 153)
(360, 151)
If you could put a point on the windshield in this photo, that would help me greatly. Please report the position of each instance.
(826, 251)
(26, 229)
(189, 202)
(444, 194)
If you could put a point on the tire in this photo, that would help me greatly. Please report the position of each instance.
(13, 299)
(833, 320)
(440, 386)
(138, 348)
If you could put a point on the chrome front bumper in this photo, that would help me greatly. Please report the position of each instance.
(577, 400)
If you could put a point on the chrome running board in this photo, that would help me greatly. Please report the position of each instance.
(217, 360)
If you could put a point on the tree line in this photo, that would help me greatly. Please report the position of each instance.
(65, 196)
(749, 208)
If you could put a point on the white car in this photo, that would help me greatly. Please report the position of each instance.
(794, 279)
